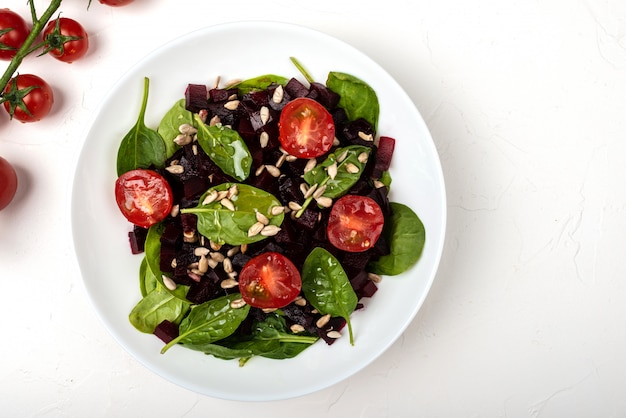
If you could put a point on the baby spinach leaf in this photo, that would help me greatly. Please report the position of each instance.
(157, 306)
(209, 322)
(226, 148)
(239, 349)
(223, 225)
(326, 286)
(169, 125)
(345, 178)
(152, 249)
(358, 99)
(405, 233)
(147, 280)
(259, 83)
(142, 147)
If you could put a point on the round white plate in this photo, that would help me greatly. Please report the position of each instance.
(110, 272)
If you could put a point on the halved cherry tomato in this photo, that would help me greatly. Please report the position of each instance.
(8, 183)
(13, 33)
(28, 98)
(306, 129)
(355, 223)
(269, 280)
(66, 38)
(144, 197)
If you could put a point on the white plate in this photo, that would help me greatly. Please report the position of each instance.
(110, 272)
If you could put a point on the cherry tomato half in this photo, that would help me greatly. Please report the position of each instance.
(355, 223)
(269, 280)
(14, 32)
(69, 42)
(28, 98)
(116, 3)
(306, 129)
(8, 183)
(144, 197)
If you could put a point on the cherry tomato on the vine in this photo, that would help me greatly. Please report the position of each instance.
(306, 129)
(143, 196)
(269, 281)
(28, 98)
(13, 33)
(116, 3)
(8, 183)
(66, 39)
(355, 223)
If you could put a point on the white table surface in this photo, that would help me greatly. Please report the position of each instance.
(526, 102)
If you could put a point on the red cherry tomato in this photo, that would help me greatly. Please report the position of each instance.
(144, 197)
(269, 280)
(14, 32)
(355, 223)
(8, 183)
(28, 98)
(61, 41)
(306, 129)
(116, 3)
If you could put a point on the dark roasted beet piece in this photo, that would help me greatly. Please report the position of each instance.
(295, 88)
(368, 290)
(384, 152)
(226, 116)
(271, 103)
(137, 239)
(200, 292)
(194, 187)
(335, 324)
(308, 220)
(246, 130)
(323, 95)
(352, 129)
(167, 254)
(172, 234)
(290, 189)
(166, 331)
(218, 95)
(189, 222)
(256, 99)
(354, 263)
(239, 260)
(300, 315)
(196, 97)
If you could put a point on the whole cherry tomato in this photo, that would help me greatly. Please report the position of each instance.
(27, 98)
(66, 39)
(8, 183)
(13, 33)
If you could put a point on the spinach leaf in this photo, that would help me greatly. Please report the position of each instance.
(147, 279)
(275, 328)
(259, 83)
(345, 178)
(157, 306)
(142, 147)
(358, 99)
(326, 286)
(223, 225)
(169, 125)
(209, 322)
(226, 148)
(405, 233)
(152, 249)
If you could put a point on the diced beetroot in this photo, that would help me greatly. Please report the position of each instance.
(226, 116)
(309, 219)
(189, 222)
(384, 153)
(368, 290)
(335, 324)
(296, 89)
(324, 95)
(246, 130)
(352, 132)
(137, 239)
(168, 253)
(194, 187)
(166, 331)
(218, 95)
(172, 234)
(354, 263)
(203, 291)
(277, 106)
(196, 97)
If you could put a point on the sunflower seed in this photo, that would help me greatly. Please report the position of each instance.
(203, 264)
(215, 120)
(374, 277)
(278, 95)
(175, 169)
(200, 251)
(277, 210)
(227, 203)
(366, 137)
(259, 170)
(304, 188)
(310, 191)
(174, 263)
(323, 321)
(255, 229)
(237, 303)
(232, 191)
(300, 301)
(352, 169)
(210, 198)
(168, 282)
(270, 230)
(232, 96)
(219, 257)
(232, 104)
(232, 82)
(215, 246)
(190, 236)
(264, 139)
(295, 206)
(175, 211)
(336, 142)
(228, 284)
(291, 158)
(296, 328)
(332, 170)
(265, 114)
(228, 265)
(194, 149)
(269, 310)
(262, 218)
(232, 251)
(244, 248)
(319, 192)
(187, 129)
(363, 157)
(182, 140)
(342, 156)
(333, 334)
(324, 201)
(203, 114)
(281, 160)
(378, 184)
(310, 165)
(273, 170)
(212, 263)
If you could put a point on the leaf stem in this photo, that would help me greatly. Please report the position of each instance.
(25, 49)
(302, 70)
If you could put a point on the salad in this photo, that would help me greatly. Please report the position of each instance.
(262, 212)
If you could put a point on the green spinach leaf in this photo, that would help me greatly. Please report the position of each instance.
(209, 322)
(147, 279)
(358, 99)
(326, 286)
(142, 147)
(223, 225)
(152, 249)
(157, 306)
(259, 83)
(405, 233)
(350, 156)
(225, 148)
(170, 124)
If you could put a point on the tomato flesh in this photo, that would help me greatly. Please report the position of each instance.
(68, 51)
(144, 197)
(355, 223)
(14, 38)
(269, 281)
(38, 101)
(306, 129)
(8, 183)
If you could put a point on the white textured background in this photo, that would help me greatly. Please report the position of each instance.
(526, 102)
